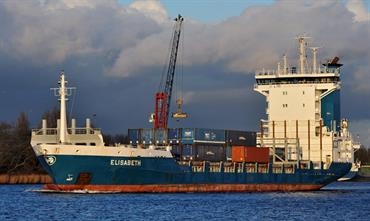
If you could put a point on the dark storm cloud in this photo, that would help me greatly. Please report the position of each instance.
(115, 56)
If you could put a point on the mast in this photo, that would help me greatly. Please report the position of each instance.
(302, 53)
(285, 64)
(314, 59)
(63, 92)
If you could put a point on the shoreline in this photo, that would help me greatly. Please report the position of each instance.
(25, 179)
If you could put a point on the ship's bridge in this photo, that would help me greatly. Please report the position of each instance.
(277, 77)
(302, 91)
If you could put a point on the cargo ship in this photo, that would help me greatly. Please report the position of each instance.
(78, 160)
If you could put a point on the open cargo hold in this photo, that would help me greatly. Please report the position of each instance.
(250, 154)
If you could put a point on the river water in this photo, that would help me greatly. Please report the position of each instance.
(338, 201)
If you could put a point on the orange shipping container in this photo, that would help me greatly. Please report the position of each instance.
(250, 154)
(237, 153)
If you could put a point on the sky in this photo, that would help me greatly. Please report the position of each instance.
(115, 52)
(209, 11)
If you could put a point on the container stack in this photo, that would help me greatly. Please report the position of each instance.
(199, 144)
(203, 144)
(239, 138)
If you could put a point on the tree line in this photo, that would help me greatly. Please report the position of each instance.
(363, 155)
(16, 154)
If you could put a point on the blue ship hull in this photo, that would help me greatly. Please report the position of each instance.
(145, 174)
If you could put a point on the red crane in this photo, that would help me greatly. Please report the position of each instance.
(163, 97)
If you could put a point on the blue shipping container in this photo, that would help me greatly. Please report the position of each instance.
(160, 136)
(147, 136)
(174, 134)
(209, 135)
(188, 152)
(134, 136)
(187, 136)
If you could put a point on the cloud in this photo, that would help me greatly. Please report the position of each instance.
(151, 8)
(358, 7)
(49, 32)
(147, 53)
(63, 4)
(120, 51)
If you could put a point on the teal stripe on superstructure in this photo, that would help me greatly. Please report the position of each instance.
(330, 110)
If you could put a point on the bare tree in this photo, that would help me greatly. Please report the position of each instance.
(16, 154)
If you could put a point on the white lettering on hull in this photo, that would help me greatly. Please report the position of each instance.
(130, 163)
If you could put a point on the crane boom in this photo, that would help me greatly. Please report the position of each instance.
(163, 98)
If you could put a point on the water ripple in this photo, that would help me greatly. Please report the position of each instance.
(339, 201)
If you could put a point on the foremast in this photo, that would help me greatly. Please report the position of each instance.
(63, 92)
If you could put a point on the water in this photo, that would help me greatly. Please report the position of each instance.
(338, 201)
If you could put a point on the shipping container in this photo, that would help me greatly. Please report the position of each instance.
(160, 136)
(228, 153)
(176, 151)
(250, 154)
(238, 153)
(257, 154)
(240, 138)
(187, 136)
(188, 152)
(209, 135)
(210, 152)
(134, 136)
(174, 135)
(147, 136)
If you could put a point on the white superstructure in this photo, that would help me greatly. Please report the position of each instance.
(303, 111)
(81, 141)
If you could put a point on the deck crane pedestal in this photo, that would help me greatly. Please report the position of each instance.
(163, 97)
